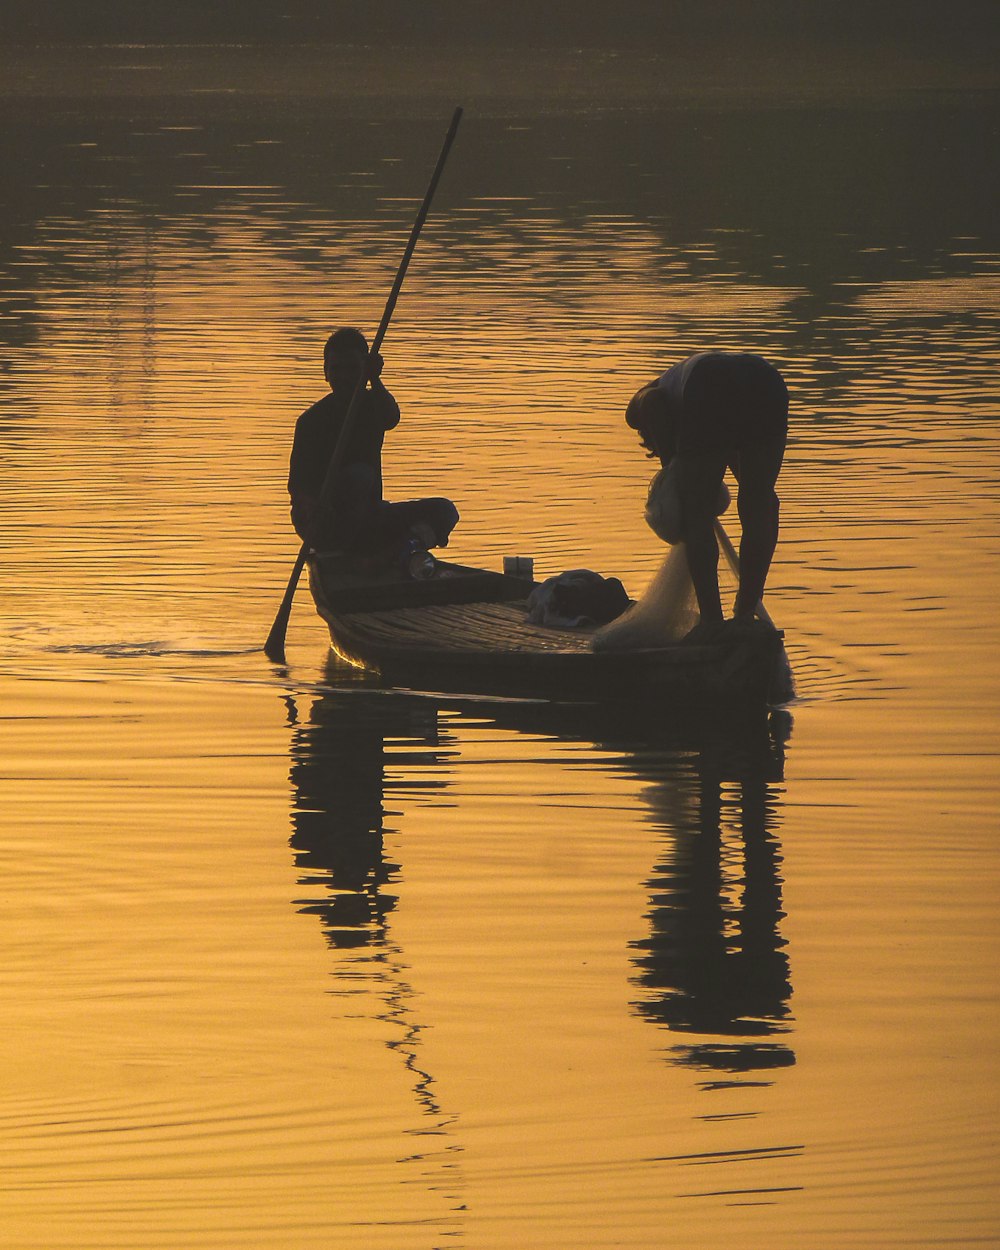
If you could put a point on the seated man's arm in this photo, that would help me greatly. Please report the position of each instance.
(304, 512)
(384, 408)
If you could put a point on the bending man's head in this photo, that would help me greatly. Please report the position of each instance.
(648, 414)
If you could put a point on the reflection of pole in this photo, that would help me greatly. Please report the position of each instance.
(399, 998)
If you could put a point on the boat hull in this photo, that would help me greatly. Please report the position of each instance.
(468, 634)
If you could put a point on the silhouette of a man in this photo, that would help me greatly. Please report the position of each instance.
(354, 517)
(358, 490)
(713, 410)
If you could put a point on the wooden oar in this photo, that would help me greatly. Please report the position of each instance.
(274, 647)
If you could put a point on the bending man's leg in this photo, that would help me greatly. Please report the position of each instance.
(757, 505)
(699, 477)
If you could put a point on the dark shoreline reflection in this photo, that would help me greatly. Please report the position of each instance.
(713, 964)
(125, 198)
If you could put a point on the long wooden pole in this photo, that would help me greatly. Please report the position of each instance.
(274, 647)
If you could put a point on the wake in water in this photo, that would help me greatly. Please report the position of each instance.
(155, 648)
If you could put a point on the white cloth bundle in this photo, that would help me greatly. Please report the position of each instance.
(663, 504)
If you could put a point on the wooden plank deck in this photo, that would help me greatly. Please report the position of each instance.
(464, 628)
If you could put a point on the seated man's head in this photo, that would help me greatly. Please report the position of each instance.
(648, 414)
(344, 358)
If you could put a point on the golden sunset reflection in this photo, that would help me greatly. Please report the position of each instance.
(294, 960)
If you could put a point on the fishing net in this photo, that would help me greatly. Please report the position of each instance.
(667, 609)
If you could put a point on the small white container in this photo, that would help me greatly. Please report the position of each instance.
(519, 566)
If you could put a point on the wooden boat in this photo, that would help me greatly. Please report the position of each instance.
(465, 631)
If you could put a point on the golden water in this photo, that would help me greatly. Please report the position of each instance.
(290, 961)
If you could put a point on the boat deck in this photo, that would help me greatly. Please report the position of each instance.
(467, 628)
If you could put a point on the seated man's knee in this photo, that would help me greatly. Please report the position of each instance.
(443, 517)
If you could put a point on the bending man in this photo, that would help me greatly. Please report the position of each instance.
(713, 410)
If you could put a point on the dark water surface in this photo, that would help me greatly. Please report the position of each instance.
(292, 961)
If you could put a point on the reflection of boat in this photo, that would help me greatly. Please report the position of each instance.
(711, 967)
(707, 966)
(465, 630)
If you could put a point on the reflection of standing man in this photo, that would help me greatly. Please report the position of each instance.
(713, 410)
(714, 964)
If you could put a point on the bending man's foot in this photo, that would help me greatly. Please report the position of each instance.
(708, 633)
(750, 625)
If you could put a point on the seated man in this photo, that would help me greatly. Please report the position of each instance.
(352, 516)
(712, 410)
